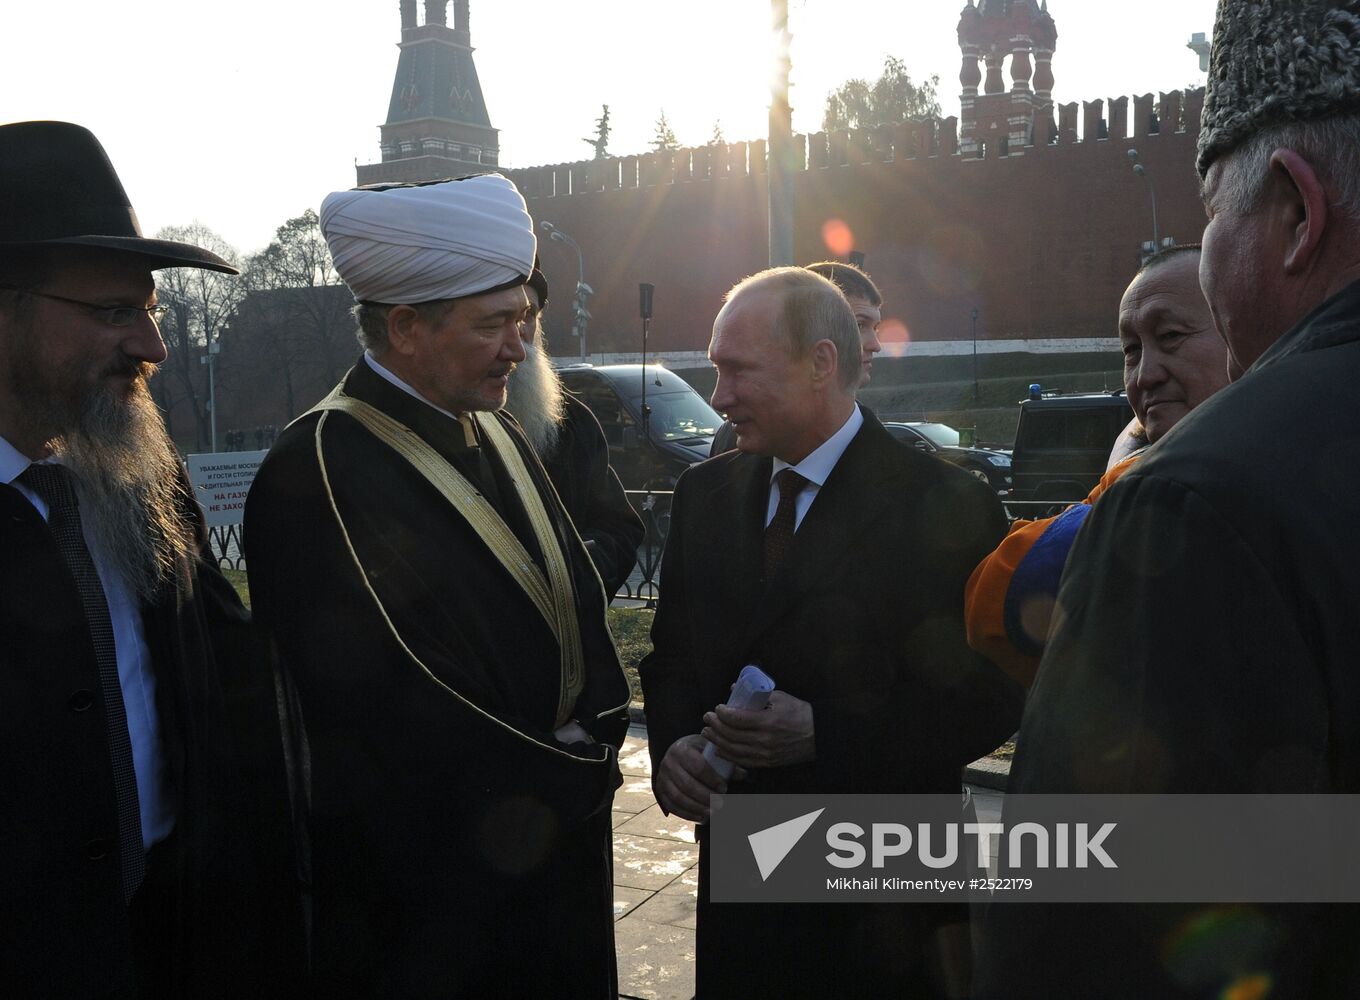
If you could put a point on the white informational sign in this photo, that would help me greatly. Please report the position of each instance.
(221, 482)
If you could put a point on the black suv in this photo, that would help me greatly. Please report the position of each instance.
(1062, 443)
(993, 467)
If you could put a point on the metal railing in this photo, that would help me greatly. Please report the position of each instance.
(224, 541)
(654, 507)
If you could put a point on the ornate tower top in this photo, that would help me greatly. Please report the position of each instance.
(437, 123)
(992, 31)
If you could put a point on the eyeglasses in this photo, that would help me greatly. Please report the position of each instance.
(119, 316)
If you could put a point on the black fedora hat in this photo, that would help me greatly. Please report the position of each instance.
(58, 188)
(538, 281)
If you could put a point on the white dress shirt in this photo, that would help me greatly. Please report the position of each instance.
(815, 468)
(135, 674)
(409, 390)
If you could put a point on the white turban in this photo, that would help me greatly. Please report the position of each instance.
(435, 241)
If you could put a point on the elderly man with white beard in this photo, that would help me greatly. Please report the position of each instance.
(571, 445)
(125, 830)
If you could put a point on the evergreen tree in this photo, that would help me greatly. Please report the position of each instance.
(665, 136)
(718, 138)
(601, 140)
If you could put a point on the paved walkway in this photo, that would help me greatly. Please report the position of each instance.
(656, 881)
(656, 884)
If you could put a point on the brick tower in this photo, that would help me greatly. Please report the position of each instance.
(437, 125)
(991, 30)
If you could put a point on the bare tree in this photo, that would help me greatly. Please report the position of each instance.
(200, 304)
(266, 347)
(299, 258)
(294, 328)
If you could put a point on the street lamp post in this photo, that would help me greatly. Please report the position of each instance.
(779, 173)
(210, 359)
(581, 315)
(1152, 193)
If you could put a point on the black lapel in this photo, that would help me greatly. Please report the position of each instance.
(864, 482)
(731, 537)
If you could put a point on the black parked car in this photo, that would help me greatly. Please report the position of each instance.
(680, 424)
(1062, 443)
(991, 466)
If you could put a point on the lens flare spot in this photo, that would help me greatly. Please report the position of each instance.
(1213, 945)
(894, 336)
(837, 237)
(1254, 986)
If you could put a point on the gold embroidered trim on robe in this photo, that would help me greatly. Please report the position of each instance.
(554, 597)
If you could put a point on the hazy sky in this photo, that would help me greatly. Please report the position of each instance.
(243, 113)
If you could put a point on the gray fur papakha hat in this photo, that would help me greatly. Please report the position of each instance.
(1276, 62)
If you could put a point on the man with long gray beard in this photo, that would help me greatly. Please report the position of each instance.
(571, 445)
(128, 847)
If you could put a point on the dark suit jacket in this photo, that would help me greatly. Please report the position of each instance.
(593, 495)
(63, 924)
(863, 621)
(1207, 646)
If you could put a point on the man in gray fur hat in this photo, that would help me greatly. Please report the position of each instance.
(1207, 630)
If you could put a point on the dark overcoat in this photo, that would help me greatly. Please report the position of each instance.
(64, 929)
(592, 494)
(864, 620)
(1207, 642)
(457, 849)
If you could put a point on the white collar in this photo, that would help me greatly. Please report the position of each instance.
(13, 462)
(816, 468)
(373, 363)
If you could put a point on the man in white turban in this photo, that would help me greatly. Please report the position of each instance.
(443, 627)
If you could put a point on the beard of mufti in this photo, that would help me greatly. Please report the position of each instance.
(128, 479)
(536, 398)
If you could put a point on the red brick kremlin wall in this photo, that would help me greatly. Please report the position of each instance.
(1041, 242)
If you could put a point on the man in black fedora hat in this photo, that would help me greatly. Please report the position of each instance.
(571, 444)
(132, 860)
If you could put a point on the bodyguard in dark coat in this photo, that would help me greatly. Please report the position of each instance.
(860, 624)
(579, 468)
(135, 704)
(445, 630)
(1207, 628)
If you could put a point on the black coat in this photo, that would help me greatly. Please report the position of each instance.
(1208, 644)
(592, 494)
(457, 848)
(64, 927)
(864, 620)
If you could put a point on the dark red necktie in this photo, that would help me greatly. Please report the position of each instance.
(779, 532)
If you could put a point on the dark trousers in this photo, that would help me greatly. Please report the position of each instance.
(154, 917)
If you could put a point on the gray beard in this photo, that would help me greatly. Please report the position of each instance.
(537, 399)
(128, 478)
